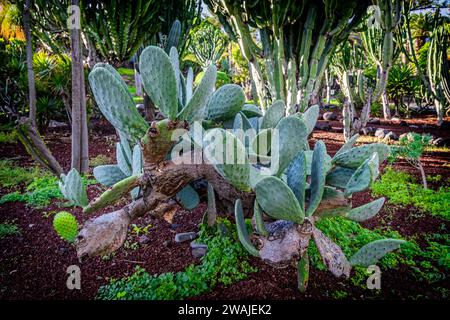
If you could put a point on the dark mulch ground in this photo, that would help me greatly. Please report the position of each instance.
(33, 265)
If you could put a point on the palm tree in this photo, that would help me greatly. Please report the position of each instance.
(10, 21)
(421, 27)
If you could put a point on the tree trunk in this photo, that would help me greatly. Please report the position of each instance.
(385, 102)
(328, 87)
(29, 50)
(80, 160)
(35, 146)
(439, 112)
(422, 174)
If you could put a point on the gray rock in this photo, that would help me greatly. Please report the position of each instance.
(368, 131)
(198, 250)
(329, 116)
(391, 136)
(381, 133)
(324, 126)
(374, 121)
(440, 142)
(186, 236)
(143, 239)
(56, 124)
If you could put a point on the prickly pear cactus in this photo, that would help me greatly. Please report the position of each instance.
(73, 189)
(65, 225)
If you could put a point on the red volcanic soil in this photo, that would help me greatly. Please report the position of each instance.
(33, 264)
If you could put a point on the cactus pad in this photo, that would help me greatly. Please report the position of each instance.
(159, 79)
(65, 225)
(225, 102)
(374, 251)
(277, 200)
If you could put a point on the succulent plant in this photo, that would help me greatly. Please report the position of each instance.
(304, 186)
(65, 225)
(72, 188)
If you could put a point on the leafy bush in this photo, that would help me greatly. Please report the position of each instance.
(401, 189)
(8, 137)
(8, 229)
(224, 263)
(11, 175)
(39, 193)
(53, 77)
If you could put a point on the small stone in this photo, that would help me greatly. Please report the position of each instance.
(186, 236)
(440, 142)
(62, 250)
(166, 243)
(324, 126)
(174, 225)
(374, 121)
(31, 225)
(56, 124)
(368, 131)
(381, 133)
(329, 116)
(391, 136)
(198, 250)
(143, 239)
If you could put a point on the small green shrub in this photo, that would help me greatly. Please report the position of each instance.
(8, 137)
(401, 189)
(225, 263)
(39, 193)
(11, 175)
(8, 229)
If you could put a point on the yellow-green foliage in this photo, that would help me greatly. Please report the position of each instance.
(401, 189)
(99, 160)
(8, 137)
(12, 175)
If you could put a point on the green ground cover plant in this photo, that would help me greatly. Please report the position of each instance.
(429, 263)
(401, 189)
(12, 175)
(41, 186)
(8, 229)
(225, 263)
(8, 137)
